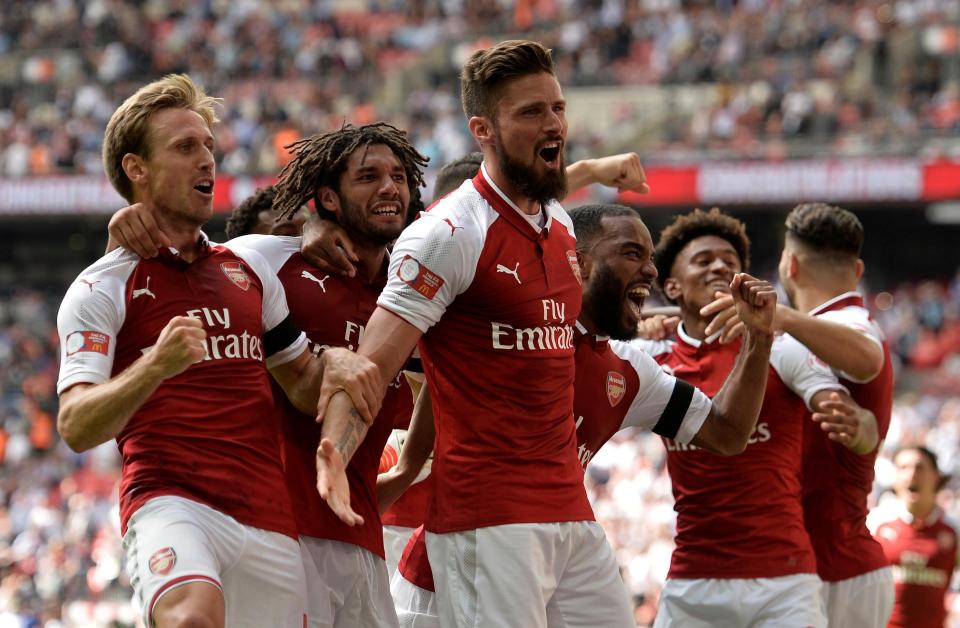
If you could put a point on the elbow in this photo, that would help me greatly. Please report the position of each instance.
(731, 447)
(71, 435)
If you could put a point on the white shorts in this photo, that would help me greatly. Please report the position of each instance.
(784, 602)
(347, 586)
(531, 575)
(394, 541)
(171, 541)
(416, 607)
(865, 601)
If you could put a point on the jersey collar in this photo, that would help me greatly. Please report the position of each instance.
(172, 255)
(508, 209)
(596, 340)
(840, 301)
(693, 342)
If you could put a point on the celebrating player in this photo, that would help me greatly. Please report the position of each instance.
(167, 356)
(742, 556)
(491, 271)
(919, 542)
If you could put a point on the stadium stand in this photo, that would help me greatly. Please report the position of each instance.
(688, 84)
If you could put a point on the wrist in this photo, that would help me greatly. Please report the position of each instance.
(784, 318)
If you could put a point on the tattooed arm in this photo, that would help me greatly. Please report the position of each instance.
(343, 431)
(388, 341)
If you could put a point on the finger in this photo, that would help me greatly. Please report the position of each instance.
(337, 257)
(732, 333)
(721, 302)
(839, 407)
(671, 324)
(843, 439)
(347, 247)
(139, 239)
(128, 239)
(720, 320)
(153, 230)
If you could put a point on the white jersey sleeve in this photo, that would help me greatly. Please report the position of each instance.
(274, 309)
(90, 317)
(276, 250)
(435, 258)
(661, 399)
(652, 347)
(855, 317)
(803, 372)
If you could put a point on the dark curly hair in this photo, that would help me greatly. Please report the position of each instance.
(246, 215)
(319, 160)
(587, 221)
(694, 225)
(456, 172)
(826, 229)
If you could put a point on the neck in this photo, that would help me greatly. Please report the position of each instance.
(526, 205)
(184, 235)
(372, 257)
(810, 297)
(921, 510)
(693, 324)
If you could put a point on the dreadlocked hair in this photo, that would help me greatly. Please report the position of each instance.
(319, 160)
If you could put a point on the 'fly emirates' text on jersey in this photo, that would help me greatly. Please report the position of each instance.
(210, 433)
(923, 555)
(837, 481)
(741, 516)
(333, 311)
(497, 299)
(617, 386)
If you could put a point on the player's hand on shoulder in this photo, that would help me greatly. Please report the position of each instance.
(182, 342)
(326, 245)
(135, 229)
(846, 423)
(357, 376)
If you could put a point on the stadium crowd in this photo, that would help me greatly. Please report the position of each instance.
(60, 556)
(798, 78)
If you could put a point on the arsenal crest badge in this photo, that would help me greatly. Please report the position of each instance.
(235, 273)
(163, 561)
(616, 387)
(574, 266)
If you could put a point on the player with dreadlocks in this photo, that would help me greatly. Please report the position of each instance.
(366, 178)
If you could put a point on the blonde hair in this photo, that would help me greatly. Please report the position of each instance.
(129, 130)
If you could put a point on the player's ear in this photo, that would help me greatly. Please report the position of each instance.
(586, 264)
(329, 199)
(481, 128)
(671, 289)
(859, 269)
(134, 167)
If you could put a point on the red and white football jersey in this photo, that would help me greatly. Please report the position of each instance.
(333, 311)
(208, 434)
(923, 555)
(837, 481)
(741, 516)
(414, 564)
(497, 299)
(619, 386)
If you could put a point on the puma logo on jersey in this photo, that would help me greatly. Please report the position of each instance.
(453, 227)
(139, 292)
(89, 284)
(308, 275)
(503, 269)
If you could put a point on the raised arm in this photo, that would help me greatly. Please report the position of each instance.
(733, 415)
(623, 171)
(91, 414)
(387, 341)
(843, 348)
(417, 448)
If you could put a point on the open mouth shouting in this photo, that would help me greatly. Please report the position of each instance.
(550, 153)
(635, 298)
(204, 186)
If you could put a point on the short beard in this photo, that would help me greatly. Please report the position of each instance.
(354, 221)
(603, 300)
(526, 181)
